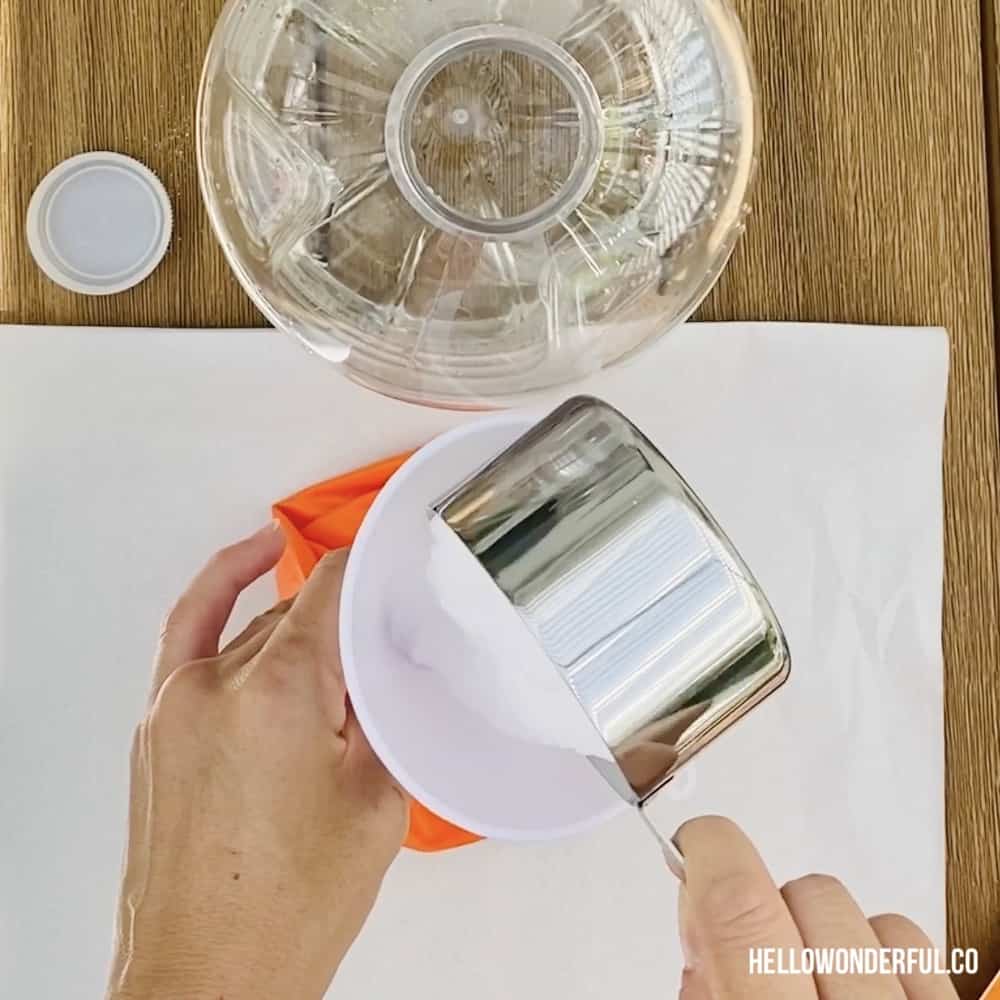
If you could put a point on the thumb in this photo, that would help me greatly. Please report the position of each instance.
(693, 984)
(734, 907)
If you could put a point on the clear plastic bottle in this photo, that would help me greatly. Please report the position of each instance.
(462, 202)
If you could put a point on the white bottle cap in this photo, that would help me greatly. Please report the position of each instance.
(99, 223)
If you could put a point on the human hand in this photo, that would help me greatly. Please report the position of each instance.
(261, 824)
(729, 905)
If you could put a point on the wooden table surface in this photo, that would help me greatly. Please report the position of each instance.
(873, 207)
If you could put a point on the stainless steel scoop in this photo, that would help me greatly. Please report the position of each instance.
(629, 586)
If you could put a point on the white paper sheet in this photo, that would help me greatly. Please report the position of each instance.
(127, 456)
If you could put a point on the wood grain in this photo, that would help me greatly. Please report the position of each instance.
(872, 207)
(110, 74)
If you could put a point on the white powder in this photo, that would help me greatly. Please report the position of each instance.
(499, 671)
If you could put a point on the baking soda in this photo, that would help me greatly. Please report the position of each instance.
(497, 670)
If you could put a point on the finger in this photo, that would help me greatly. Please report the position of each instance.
(828, 917)
(317, 608)
(894, 931)
(733, 907)
(266, 622)
(194, 626)
(235, 667)
(304, 650)
(238, 661)
(693, 985)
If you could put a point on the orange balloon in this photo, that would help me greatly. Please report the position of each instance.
(326, 517)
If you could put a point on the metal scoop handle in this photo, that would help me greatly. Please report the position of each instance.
(653, 818)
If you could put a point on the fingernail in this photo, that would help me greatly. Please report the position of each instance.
(674, 859)
(272, 527)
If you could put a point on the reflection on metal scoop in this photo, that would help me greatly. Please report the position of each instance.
(628, 585)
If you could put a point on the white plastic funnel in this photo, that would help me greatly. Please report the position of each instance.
(444, 754)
